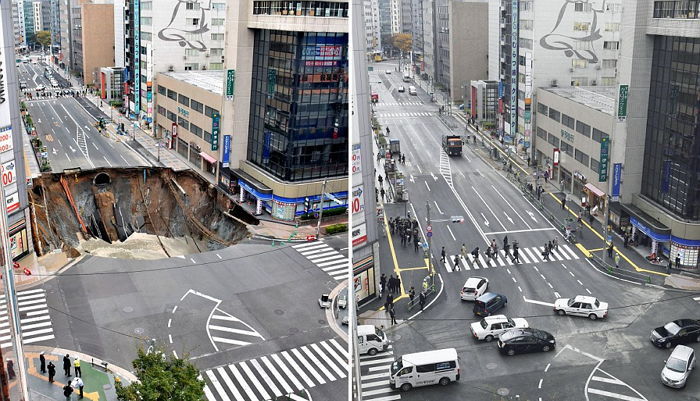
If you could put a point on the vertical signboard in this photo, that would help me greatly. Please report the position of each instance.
(617, 180)
(604, 153)
(357, 199)
(215, 122)
(6, 134)
(137, 57)
(230, 83)
(226, 159)
(514, 67)
(622, 101)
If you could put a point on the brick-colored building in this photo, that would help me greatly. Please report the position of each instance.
(97, 40)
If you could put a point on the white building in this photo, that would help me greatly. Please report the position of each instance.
(18, 25)
(177, 36)
(119, 33)
(372, 26)
(395, 17)
(38, 21)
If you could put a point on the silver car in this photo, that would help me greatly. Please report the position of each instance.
(678, 367)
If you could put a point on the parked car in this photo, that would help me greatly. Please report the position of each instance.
(681, 331)
(581, 305)
(678, 367)
(491, 327)
(387, 72)
(518, 341)
(473, 288)
(402, 89)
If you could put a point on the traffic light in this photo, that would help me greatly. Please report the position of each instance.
(307, 205)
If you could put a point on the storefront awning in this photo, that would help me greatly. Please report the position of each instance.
(593, 189)
(207, 157)
(647, 224)
(258, 186)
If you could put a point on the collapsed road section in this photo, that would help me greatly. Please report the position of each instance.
(133, 213)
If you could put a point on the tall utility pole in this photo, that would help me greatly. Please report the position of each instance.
(320, 211)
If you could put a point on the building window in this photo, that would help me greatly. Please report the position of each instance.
(217, 21)
(146, 36)
(567, 148)
(541, 133)
(171, 116)
(608, 81)
(161, 111)
(172, 95)
(525, 24)
(208, 111)
(542, 108)
(610, 63)
(611, 45)
(525, 5)
(196, 130)
(582, 7)
(146, 5)
(192, 52)
(581, 157)
(182, 122)
(595, 165)
(217, 36)
(582, 26)
(161, 90)
(216, 52)
(146, 21)
(612, 27)
(216, 66)
(192, 21)
(195, 105)
(191, 6)
(687, 9)
(568, 121)
(525, 43)
(191, 66)
(579, 81)
(578, 63)
(598, 135)
(218, 6)
(207, 136)
(583, 128)
(553, 140)
(183, 100)
(554, 114)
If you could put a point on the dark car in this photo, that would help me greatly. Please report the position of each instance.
(519, 341)
(681, 331)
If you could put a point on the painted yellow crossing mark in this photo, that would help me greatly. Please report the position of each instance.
(49, 138)
(31, 369)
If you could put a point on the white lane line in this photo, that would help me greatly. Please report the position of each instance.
(426, 185)
(519, 231)
(556, 294)
(175, 307)
(614, 395)
(170, 322)
(193, 261)
(579, 281)
(450, 230)
(170, 337)
(218, 256)
(514, 280)
(540, 384)
(511, 206)
(589, 292)
(438, 207)
(607, 380)
(520, 289)
(488, 207)
(547, 367)
(104, 157)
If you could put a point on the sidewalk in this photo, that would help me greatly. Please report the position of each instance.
(99, 383)
(41, 268)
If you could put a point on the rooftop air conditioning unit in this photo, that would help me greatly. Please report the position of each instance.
(171, 68)
(554, 82)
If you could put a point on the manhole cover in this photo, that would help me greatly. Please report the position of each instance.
(293, 330)
(139, 330)
(128, 309)
(491, 366)
(279, 312)
(322, 321)
(503, 391)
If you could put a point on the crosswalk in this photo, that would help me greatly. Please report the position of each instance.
(326, 258)
(445, 169)
(293, 371)
(402, 104)
(604, 386)
(227, 330)
(526, 256)
(374, 379)
(35, 320)
(406, 114)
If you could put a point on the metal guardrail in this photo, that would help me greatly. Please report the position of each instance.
(611, 269)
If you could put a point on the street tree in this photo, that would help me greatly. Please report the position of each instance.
(43, 38)
(162, 378)
(402, 41)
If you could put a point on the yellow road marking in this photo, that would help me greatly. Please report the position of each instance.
(49, 138)
(397, 270)
(31, 369)
(596, 250)
(403, 269)
(583, 249)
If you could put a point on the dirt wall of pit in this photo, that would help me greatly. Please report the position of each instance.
(115, 203)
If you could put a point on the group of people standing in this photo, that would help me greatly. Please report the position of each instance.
(76, 383)
(407, 230)
(548, 247)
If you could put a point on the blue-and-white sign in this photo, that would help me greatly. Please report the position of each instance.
(226, 159)
(617, 180)
(514, 67)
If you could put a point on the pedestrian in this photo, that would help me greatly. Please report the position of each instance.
(390, 301)
(415, 244)
(412, 293)
(382, 192)
(678, 261)
(66, 365)
(528, 161)
(505, 242)
(545, 253)
(42, 362)
(516, 254)
(76, 366)
(555, 244)
(475, 253)
(456, 263)
(550, 245)
(10, 367)
(77, 383)
(617, 259)
(392, 314)
(382, 284)
(669, 266)
(463, 251)
(397, 284)
(67, 391)
(546, 176)
(390, 284)
(563, 203)
(610, 250)
(381, 180)
(625, 240)
(442, 255)
(52, 371)
(421, 300)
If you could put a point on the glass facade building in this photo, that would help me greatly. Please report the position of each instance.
(672, 151)
(299, 105)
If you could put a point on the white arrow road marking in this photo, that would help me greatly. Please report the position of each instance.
(54, 151)
(71, 149)
(426, 185)
(485, 221)
(433, 175)
(488, 207)
(532, 301)
(508, 217)
(450, 230)
(438, 207)
(412, 179)
(532, 216)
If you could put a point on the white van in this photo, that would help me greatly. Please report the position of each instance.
(371, 340)
(412, 90)
(424, 368)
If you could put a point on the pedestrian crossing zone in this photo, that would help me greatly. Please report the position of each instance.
(525, 256)
(227, 330)
(280, 374)
(402, 104)
(406, 114)
(374, 378)
(325, 258)
(34, 319)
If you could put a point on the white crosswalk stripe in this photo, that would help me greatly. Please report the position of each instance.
(35, 319)
(607, 386)
(406, 114)
(375, 383)
(326, 258)
(227, 330)
(402, 104)
(281, 374)
(526, 256)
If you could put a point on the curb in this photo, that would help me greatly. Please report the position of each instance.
(116, 370)
(332, 323)
(41, 281)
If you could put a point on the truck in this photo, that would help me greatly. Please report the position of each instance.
(452, 145)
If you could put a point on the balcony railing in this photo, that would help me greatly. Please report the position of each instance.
(302, 8)
(684, 9)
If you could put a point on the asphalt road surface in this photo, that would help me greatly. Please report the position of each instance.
(243, 315)
(594, 360)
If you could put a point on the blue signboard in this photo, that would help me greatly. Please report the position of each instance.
(137, 56)
(617, 179)
(226, 160)
(215, 122)
(500, 89)
(648, 231)
(266, 147)
(514, 67)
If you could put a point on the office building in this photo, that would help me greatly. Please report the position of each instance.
(372, 22)
(18, 27)
(112, 84)
(483, 96)
(466, 53)
(95, 48)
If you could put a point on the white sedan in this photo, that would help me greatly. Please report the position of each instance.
(581, 305)
(473, 288)
(491, 327)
